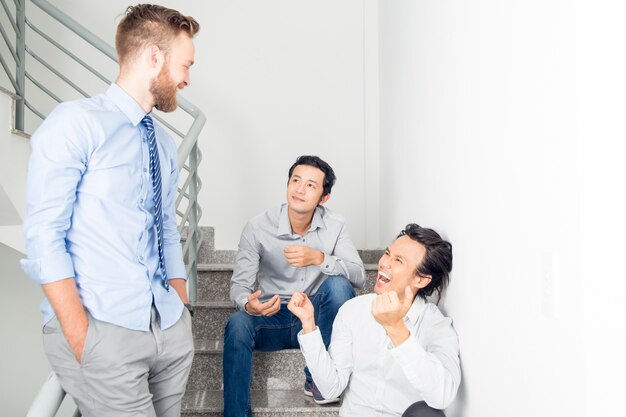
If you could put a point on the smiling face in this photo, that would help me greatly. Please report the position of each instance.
(397, 268)
(174, 74)
(305, 188)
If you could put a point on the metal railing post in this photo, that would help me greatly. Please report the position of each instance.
(193, 221)
(20, 63)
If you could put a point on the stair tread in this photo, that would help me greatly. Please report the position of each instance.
(213, 304)
(215, 267)
(229, 267)
(262, 401)
(209, 345)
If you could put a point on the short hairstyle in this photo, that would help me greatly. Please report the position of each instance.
(150, 24)
(317, 162)
(437, 261)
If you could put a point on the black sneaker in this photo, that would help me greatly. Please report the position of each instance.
(311, 390)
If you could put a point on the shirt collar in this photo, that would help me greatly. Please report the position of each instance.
(125, 103)
(416, 309)
(284, 227)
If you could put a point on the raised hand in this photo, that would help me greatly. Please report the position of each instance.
(389, 311)
(268, 308)
(301, 256)
(301, 307)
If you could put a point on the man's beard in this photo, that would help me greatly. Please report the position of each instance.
(163, 91)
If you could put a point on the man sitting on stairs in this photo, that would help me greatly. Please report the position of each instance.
(393, 352)
(298, 246)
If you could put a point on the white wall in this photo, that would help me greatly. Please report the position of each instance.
(502, 127)
(276, 79)
(23, 364)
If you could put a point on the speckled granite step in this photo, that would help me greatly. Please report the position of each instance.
(279, 370)
(210, 317)
(265, 403)
(214, 281)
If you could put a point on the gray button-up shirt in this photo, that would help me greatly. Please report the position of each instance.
(261, 252)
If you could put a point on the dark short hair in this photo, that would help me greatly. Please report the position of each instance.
(437, 261)
(317, 162)
(146, 24)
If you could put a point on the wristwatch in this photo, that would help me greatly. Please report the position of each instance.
(190, 308)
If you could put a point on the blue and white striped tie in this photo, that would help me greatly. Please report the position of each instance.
(155, 176)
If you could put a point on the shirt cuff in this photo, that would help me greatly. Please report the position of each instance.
(174, 262)
(311, 342)
(49, 269)
(329, 265)
(241, 303)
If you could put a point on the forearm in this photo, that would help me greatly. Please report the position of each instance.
(398, 333)
(308, 325)
(68, 308)
(180, 285)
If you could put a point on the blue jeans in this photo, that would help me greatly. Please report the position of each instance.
(245, 333)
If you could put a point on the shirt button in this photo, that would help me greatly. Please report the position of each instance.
(140, 258)
(141, 201)
(145, 170)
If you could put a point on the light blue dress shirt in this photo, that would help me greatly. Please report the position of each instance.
(90, 211)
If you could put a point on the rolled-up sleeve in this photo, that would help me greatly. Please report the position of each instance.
(57, 163)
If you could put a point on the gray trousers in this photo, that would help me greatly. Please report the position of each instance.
(421, 409)
(124, 372)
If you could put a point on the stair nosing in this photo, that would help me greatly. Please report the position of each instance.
(262, 409)
(219, 347)
(213, 304)
(211, 267)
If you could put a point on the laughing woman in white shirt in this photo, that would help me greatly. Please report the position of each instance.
(392, 352)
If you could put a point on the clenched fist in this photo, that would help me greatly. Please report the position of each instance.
(300, 306)
(301, 256)
(389, 312)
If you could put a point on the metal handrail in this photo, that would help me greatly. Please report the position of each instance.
(51, 395)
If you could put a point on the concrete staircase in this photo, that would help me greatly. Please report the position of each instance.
(278, 377)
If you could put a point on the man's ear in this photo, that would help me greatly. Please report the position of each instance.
(421, 281)
(324, 199)
(156, 56)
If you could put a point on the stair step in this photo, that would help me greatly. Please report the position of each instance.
(282, 369)
(210, 317)
(212, 310)
(265, 403)
(214, 281)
